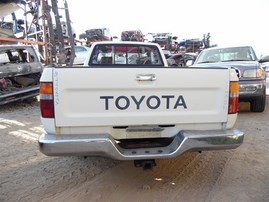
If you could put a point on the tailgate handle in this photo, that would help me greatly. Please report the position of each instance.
(145, 77)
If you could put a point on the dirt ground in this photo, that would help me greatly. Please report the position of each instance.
(222, 176)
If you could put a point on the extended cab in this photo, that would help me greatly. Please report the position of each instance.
(126, 103)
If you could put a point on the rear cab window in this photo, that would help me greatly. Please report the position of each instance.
(125, 54)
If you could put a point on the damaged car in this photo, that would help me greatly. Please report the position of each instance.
(93, 35)
(20, 71)
(181, 59)
(132, 35)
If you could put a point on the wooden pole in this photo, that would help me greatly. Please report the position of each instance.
(7, 39)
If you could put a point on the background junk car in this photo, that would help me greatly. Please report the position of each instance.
(20, 71)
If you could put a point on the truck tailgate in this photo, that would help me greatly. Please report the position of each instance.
(133, 96)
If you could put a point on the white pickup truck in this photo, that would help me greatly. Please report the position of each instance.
(126, 103)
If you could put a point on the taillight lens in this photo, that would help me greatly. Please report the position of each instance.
(233, 97)
(46, 100)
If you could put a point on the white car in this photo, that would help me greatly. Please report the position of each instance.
(81, 53)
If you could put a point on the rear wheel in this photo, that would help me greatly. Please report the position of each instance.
(258, 105)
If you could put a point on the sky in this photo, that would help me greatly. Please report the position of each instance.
(229, 22)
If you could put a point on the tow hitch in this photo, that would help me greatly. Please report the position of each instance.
(146, 164)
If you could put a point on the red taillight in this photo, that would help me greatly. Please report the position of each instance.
(233, 98)
(47, 109)
(46, 100)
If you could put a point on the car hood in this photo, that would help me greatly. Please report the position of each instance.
(241, 65)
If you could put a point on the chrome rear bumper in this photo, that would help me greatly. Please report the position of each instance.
(104, 145)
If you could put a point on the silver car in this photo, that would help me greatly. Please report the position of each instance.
(252, 78)
(81, 53)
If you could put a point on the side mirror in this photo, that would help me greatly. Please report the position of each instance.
(264, 59)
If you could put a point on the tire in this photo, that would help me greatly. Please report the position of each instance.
(258, 105)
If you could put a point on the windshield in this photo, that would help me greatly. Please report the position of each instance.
(226, 54)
